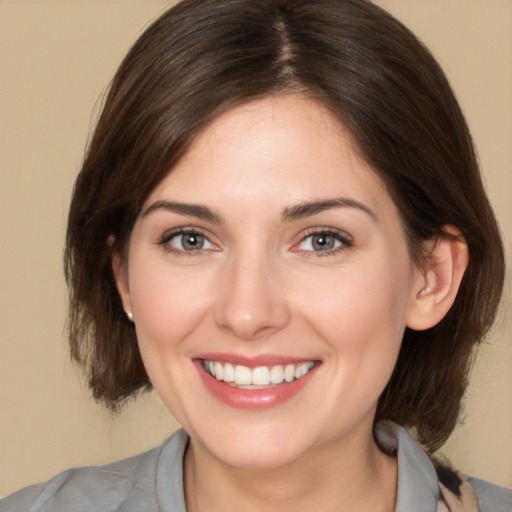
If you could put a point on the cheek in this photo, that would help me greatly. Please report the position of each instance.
(353, 301)
(167, 305)
(360, 312)
(360, 321)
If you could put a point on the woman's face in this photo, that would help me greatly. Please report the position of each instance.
(270, 251)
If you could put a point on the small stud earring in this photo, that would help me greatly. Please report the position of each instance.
(424, 292)
(129, 314)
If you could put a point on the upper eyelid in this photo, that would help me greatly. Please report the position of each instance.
(171, 233)
(164, 242)
(342, 235)
(308, 232)
(330, 231)
(177, 231)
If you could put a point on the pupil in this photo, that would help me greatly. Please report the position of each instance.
(193, 241)
(323, 242)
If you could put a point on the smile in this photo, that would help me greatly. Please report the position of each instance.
(257, 385)
(259, 377)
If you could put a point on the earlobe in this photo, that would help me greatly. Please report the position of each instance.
(120, 277)
(438, 282)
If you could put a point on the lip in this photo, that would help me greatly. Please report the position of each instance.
(253, 399)
(253, 362)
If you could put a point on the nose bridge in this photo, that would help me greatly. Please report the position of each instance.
(252, 303)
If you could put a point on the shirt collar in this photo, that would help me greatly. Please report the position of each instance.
(418, 487)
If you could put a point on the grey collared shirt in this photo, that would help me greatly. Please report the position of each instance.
(153, 482)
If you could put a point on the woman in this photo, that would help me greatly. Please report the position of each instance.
(280, 226)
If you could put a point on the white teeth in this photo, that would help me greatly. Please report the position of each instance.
(244, 376)
(277, 374)
(289, 372)
(229, 373)
(303, 369)
(261, 376)
(219, 371)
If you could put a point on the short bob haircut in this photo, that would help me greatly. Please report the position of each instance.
(204, 57)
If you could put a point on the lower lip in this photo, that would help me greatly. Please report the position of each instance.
(252, 399)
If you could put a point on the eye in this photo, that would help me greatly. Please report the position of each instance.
(323, 241)
(187, 241)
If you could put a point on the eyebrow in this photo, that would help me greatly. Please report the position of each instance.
(295, 212)
(192, 210)
(308, 209)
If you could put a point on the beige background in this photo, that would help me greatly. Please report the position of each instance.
(56, 58)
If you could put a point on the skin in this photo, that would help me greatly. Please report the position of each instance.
(259, 286)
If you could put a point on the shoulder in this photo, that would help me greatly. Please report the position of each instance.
(81, 489)
(491, 497)
(420, 486)
(126, 485)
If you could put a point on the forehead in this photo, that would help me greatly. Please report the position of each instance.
(291, 144)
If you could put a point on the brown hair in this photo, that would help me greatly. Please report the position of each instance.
(204, 57)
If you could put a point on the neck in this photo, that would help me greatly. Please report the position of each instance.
(349, 475)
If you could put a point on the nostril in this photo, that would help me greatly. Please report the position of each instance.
(248, 329)
(251, 305)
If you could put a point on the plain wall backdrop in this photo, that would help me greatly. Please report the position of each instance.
(56, 58)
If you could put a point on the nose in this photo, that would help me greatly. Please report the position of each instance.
(252, 303)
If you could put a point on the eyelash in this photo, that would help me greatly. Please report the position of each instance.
(345, 242)
(167, 237)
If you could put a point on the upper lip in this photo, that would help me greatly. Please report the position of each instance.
(254, 361)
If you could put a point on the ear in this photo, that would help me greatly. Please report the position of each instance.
(437, 283)
(120, 275)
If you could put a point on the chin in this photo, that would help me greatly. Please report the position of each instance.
(255, 456)
(256, 447)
